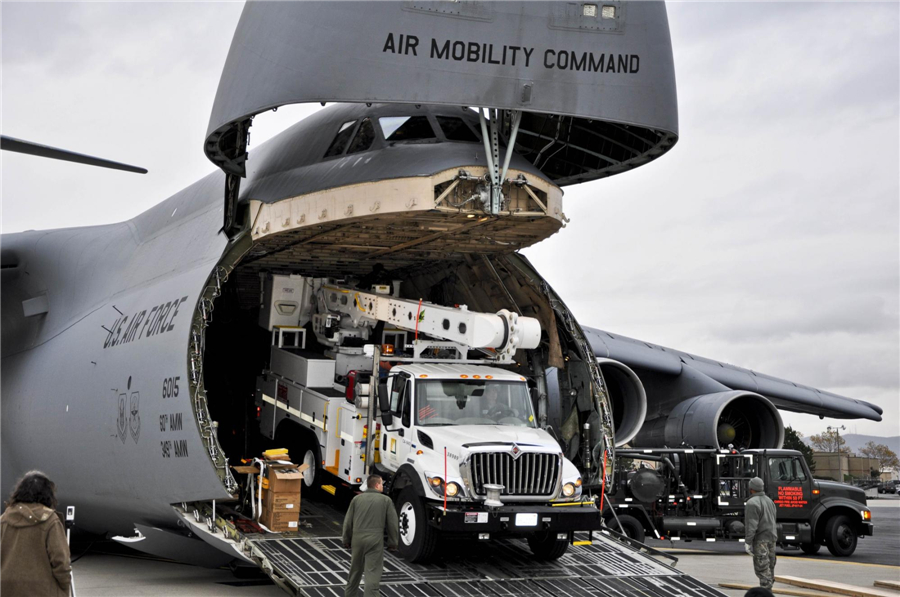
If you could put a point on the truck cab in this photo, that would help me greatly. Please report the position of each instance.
(464, 455)
(834, 513)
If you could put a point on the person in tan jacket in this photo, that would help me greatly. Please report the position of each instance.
(34, 555)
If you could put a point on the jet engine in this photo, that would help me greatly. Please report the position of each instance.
(627, 397)
(739, 418)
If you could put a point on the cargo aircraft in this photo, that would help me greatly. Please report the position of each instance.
(130, 351)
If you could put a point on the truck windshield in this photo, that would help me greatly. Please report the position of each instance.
(473, 402)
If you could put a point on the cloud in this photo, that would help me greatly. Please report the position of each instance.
(768, 237)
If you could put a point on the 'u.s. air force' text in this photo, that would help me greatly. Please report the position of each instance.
(488, 53)
(129, 328)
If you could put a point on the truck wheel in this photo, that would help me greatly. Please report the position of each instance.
(417, 538)
(840, 536)
(311, 476)
(302, 448)
(545, 546)
(631, 527)
(810, 548)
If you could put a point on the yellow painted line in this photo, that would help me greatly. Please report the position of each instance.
(688, 551)
(837, 562)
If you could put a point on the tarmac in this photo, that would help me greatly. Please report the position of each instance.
(876, 558)
(108, 569)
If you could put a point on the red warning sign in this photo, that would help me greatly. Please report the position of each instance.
(790, 497)
(281, 392)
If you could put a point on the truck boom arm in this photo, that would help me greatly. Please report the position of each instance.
(504, 331)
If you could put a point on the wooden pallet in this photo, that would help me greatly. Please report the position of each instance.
(834, 587)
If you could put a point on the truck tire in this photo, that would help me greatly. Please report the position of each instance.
(418, 539)
(545, 546)
(810, 549)
(302, 447)
(840, 536)
(311, 476)
(631, 527)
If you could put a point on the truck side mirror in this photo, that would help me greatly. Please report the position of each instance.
(384, 402)
(384, 399)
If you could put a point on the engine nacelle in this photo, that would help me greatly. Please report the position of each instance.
(742, 419)
(628, 398)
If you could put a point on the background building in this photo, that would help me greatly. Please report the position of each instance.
(838, 466)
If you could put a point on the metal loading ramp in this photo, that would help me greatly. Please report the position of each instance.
(319, 566)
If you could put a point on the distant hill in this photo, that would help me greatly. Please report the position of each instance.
(855, 441)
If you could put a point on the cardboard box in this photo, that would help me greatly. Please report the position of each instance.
(284, 478)
(280, 502)
(281, 522)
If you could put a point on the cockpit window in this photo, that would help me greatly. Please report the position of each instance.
(364, 137)
(340, 140)
(455, 129)
(406, 128)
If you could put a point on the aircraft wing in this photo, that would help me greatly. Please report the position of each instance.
(786, 395)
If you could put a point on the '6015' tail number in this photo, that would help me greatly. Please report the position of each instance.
(170, 387)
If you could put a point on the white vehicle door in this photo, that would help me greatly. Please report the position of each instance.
(397, 438)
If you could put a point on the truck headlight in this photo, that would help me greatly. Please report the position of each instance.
(569, 489)
(436, 484)
(866, 514)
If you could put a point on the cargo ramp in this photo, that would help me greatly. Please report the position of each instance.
(314, 563)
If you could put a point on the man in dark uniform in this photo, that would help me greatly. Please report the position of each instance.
(371, 513)
(760, 534)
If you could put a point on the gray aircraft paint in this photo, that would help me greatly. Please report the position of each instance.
(670, 363)
(293, 62)
(291, 164)
(63, 373)
(170, 251)
(61, 387)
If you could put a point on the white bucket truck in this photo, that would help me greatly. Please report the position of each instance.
(456, 437)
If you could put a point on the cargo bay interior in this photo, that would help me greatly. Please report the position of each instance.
(237, 347)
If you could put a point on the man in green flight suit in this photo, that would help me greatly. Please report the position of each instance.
(371, 513)
(760, 533)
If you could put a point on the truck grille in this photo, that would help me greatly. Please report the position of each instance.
(529, 474)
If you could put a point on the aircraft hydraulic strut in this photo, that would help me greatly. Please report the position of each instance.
(492, 151)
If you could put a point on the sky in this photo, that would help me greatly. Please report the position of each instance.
(769, 237)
